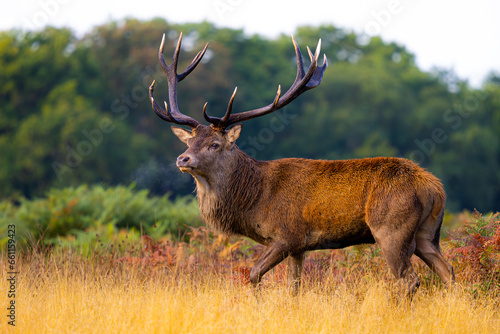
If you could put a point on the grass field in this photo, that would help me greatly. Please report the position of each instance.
(200, 286)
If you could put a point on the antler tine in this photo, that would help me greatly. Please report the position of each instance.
(219, 122)
(163, 114)
(310, 54)
(300, 64)
(229, 106)
(318, 74)
(161, 58)
(277, 98)
(318, 50)
(194, 63)
(173, 114)
(175, 58)
(316, 53)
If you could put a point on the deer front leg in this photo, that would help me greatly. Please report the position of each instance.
(295, 265)
(274, 254)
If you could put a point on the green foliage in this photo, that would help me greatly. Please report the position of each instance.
(67, 142)
(90, 215)
(60, 93)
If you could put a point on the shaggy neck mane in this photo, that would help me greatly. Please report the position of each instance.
(224, 205)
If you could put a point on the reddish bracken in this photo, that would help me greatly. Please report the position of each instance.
(480, 253)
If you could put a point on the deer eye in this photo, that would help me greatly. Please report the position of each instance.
(214, 146)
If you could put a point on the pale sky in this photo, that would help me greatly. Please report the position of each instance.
(463, 36)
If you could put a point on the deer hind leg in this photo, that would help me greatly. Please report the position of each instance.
(295, 265)
(393, 227)
(427, 248)
(397, 255)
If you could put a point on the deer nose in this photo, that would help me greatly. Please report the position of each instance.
(183, 161)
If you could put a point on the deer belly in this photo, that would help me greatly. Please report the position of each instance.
(339, 237)
(336, 226)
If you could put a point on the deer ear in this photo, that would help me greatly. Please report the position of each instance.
(183, 134)
(234, 133)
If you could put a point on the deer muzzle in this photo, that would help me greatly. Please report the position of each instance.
(185, 163)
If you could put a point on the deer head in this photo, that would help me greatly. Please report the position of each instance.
(210, 148)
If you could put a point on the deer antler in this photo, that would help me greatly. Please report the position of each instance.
(173, 114)
(303, 82)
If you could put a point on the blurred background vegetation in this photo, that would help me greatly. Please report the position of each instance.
(75, 110)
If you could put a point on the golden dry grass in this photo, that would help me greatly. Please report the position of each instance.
(65, 293)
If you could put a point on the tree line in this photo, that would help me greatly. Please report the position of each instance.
(76, 110)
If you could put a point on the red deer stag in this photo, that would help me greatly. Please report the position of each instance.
(297, 205)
